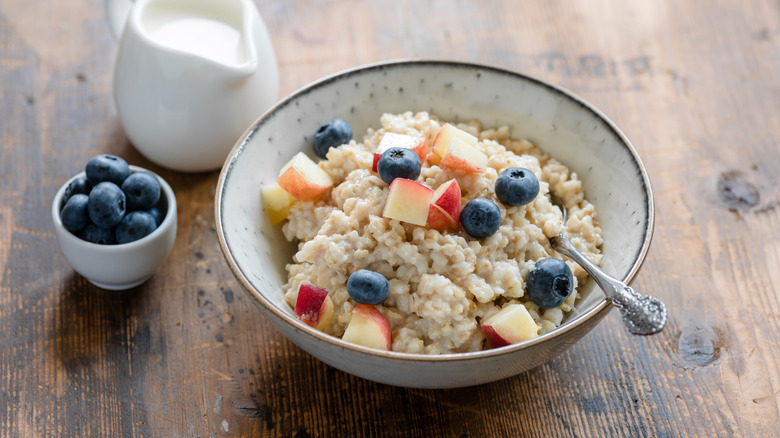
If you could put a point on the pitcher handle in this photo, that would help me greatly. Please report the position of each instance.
(117, 12)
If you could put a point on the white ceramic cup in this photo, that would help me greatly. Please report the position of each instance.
(190, 76)
(117, 267)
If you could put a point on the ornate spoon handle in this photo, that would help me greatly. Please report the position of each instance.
(642, 314)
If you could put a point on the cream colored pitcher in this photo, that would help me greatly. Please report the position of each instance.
(190, 77)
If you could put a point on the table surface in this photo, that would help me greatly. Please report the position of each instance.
(695, 85)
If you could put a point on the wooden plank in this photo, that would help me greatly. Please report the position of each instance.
(695, 87)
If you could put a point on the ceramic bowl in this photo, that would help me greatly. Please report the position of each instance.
(117, 267)
(562, 124)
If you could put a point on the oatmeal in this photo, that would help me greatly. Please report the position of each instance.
(444, 284)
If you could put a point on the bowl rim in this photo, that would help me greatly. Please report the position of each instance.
(72, 239)
(603, 306)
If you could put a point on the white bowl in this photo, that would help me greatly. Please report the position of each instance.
(562, 124)
(117, 267)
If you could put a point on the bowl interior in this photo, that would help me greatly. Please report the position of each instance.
(561, 124)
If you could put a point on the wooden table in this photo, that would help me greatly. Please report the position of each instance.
(695, 85)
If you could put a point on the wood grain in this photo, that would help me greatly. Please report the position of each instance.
(693, 84)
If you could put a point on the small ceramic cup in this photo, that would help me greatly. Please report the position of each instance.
(117, 267)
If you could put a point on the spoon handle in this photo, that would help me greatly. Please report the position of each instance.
(642, 314)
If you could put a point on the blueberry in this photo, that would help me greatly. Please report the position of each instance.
(368, 287)
(332, 134)
(106, 205)
(107, 167)
(101, 236)
(134, 226)
(142, 191)
(398, 163)
(74, 215)
(516, 186)
(549, 283)
(157, 215)
(79, 185)
(480, 218)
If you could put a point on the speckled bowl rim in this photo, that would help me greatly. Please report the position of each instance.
(596, 311)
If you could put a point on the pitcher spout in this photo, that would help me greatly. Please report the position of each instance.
(256, 44)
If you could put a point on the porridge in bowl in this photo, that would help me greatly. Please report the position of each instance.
(422, 237)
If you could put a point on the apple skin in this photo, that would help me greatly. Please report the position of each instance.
(439, 219)
(277, 202)
(445, 206)
(369, 327)
(464, 157)
(512, 324)
(304, 179)
(443, 139)
(393, 140)
(408, 201)
(314, 306)
(493, 338)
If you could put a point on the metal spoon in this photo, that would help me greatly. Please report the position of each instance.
(642, 314)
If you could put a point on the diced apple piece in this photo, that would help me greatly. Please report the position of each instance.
(444, 138)
(510, 325)
(445, 206)
(392, 140)
(408, 201)
(303, 178)
(438, 219)
(314, 306)
(277, 202)
(368, 327)
(464, 157)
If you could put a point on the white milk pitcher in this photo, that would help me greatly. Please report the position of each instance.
(190, 77)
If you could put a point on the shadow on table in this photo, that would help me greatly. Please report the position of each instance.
(305, 397)
(94, 324)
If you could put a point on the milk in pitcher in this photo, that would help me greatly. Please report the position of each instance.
(206, 37)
